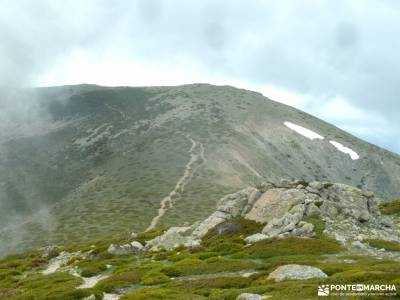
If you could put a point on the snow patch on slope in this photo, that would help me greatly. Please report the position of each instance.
(354, 155)
(304, 131)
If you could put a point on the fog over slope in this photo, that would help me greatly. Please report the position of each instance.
(83, 162)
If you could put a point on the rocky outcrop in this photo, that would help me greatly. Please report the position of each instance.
(349, 214)
(296, 272)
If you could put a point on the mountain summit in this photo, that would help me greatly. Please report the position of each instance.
(92, 161)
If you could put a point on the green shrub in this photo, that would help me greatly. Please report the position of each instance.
(212, 283)
(37, 286)
(154, 277)
(162, 294)
(292, 246)
(228, 236)
(117, 281)
(171, 271)
(214, 265)
(387, 245)
(205, 255)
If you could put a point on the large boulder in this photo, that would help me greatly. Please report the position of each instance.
(275, 203)
(296, 272)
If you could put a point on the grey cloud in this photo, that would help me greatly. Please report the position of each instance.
(345, 49)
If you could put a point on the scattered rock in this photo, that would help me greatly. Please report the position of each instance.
(248, 296)
(296, 272)
(136, 246)
(255, 238)
(91, 297)
(132, 248)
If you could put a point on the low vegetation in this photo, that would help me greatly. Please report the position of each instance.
(390, 207)
(387, 245)
(214, 271)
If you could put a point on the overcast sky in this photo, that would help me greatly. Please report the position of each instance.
(338, 60)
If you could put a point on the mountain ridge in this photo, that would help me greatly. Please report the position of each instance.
(97, 160)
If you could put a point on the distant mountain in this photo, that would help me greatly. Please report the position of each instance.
(93, 161)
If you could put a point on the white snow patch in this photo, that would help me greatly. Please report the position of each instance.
(304, 131)
(354, 155)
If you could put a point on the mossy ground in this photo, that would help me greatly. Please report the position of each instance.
(210, 272)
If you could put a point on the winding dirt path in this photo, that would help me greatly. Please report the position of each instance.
(197, 158)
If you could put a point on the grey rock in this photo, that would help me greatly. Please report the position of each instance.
(303, 230)
(255, 238)
(312, 210)
(296, 272)
(213, 220)
(316, 185)
(248, 296)
(358, 245)
(311, 190)
(136, 246)
(235, 204)
(124, 249)
(91, 297)
(173, 238)
(368, 194)
(132, 248)
(275, 203)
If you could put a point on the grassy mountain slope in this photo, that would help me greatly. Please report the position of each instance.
(97, 161)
